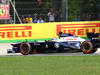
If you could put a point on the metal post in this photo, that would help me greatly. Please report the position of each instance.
(65, 10)
(14, 14)
(15, 11)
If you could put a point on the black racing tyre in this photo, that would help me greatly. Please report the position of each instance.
(25, 48)
(87, 47)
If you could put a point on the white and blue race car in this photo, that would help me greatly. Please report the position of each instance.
(64, 42)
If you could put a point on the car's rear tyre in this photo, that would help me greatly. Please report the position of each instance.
(25, 48)
(87, 47)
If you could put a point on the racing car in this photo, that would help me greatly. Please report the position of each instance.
(64, 42)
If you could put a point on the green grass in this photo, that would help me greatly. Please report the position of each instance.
(50, 65)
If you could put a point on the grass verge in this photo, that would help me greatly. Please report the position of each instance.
(50, 65)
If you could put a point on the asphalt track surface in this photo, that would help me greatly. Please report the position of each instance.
(53, 54)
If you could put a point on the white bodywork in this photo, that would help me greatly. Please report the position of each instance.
(69, 38)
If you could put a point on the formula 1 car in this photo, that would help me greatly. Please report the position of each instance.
(65, 42)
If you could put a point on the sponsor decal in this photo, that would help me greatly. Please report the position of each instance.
(15, 31)
(71, 39)
(13, 28)
(78, 29)
(4, 11)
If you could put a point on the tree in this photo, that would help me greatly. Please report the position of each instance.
(73, 9)
(89, 7)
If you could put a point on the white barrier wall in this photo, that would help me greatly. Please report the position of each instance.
(98, 51)
(4, 47)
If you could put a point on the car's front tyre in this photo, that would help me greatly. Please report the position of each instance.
(25, 48)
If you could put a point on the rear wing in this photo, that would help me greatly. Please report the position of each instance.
(92, 35)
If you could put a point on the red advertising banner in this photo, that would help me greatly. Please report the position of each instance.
(4, 12)
(79, 28)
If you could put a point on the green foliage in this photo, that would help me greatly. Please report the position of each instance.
(73, 9)
(89, 8)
